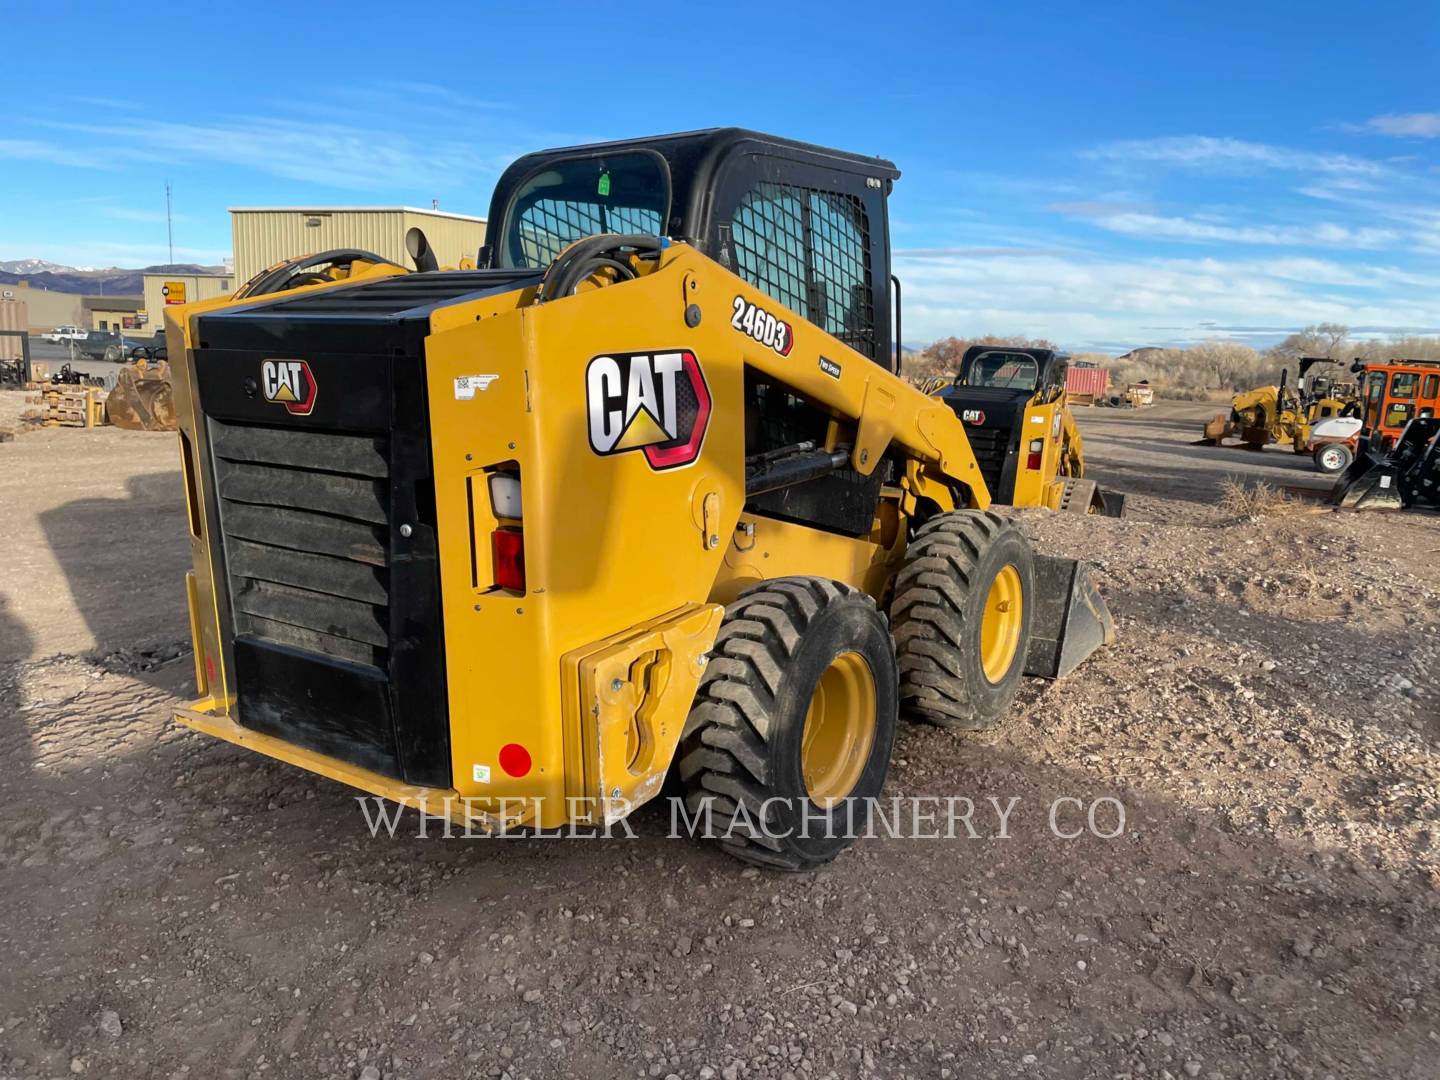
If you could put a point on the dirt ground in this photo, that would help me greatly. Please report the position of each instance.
(1269, 719)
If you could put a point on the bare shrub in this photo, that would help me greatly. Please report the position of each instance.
(1206, 370)
(1252, 502)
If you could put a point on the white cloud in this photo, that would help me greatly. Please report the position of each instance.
(1204, 152)
(1320, 234)
(321, 152)
(971, 252)
(1407, 125)
(34, 150)
(150, 217)
(1085, 301)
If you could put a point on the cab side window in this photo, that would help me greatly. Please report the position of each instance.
(769, 233)
(810, 250)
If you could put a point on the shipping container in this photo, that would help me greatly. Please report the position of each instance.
(1086, 385)
(13, 318)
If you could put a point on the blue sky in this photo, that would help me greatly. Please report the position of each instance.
(1106, 175)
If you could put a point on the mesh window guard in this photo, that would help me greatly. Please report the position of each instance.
(809, 250)
(548, 226)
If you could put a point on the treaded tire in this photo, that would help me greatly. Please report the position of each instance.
(1338, 452)
(937, 613)
(742, 741)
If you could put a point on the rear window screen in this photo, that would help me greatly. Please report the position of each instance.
(1002, 371)
(579, 197)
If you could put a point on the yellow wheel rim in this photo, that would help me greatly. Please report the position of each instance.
(1000, 626)
(839, 730)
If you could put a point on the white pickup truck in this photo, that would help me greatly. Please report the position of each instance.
(64, 333)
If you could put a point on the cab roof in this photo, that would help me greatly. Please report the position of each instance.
(692, 160)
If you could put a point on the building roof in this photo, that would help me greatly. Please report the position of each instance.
(353, 210)
(112, 303)
(176, 275)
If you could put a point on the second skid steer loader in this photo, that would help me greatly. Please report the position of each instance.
(633, 498)
(1017, 419)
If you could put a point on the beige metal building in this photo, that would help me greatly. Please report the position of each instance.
(45, 308)
(163, 289)
(113, 312)
(264, 236)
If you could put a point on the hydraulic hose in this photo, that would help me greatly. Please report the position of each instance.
(584, 257)
(288, 275)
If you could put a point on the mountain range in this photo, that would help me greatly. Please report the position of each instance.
(112, 281)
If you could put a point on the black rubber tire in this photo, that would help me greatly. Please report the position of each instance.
(741, 745)
(940, 596)
(1340, 451)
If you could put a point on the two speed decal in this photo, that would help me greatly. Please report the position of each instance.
(765, 328)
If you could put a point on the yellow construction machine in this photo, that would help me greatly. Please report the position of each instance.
(1275, 414)
(631, 499)
(1017, 419)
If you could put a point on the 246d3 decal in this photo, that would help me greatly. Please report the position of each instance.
(765, 328)
(654, 402)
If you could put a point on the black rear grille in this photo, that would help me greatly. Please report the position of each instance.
(989, 446)
(304, 517)
(389, 297)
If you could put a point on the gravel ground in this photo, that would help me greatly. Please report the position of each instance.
(1269, 721)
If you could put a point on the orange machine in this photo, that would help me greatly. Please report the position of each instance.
(1394, 393)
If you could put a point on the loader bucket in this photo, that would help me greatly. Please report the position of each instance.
(1068, 618)
(142, 399)
(1216, 431)
(1370, 483)
(1079, 496)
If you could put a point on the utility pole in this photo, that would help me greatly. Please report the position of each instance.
(169, 225)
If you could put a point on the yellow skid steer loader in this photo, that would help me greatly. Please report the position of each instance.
(632, 498)
(1016, 413)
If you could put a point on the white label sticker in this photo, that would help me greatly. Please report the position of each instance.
(1384, 481)
(480, 773)
(466, 385)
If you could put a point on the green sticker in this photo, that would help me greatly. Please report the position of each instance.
(605, 183)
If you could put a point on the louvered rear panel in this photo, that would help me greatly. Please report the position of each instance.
(304, 517)
(990, 445)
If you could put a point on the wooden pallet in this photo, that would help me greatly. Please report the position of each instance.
(68, 406)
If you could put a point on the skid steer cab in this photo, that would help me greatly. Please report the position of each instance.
(1017, 418)
(638, 496)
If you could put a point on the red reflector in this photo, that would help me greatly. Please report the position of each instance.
(507, 548)
(1032, 461)
(210, 669)
(514, 759)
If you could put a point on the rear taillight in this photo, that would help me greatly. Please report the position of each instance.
(1032, 460)
(507, 553)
